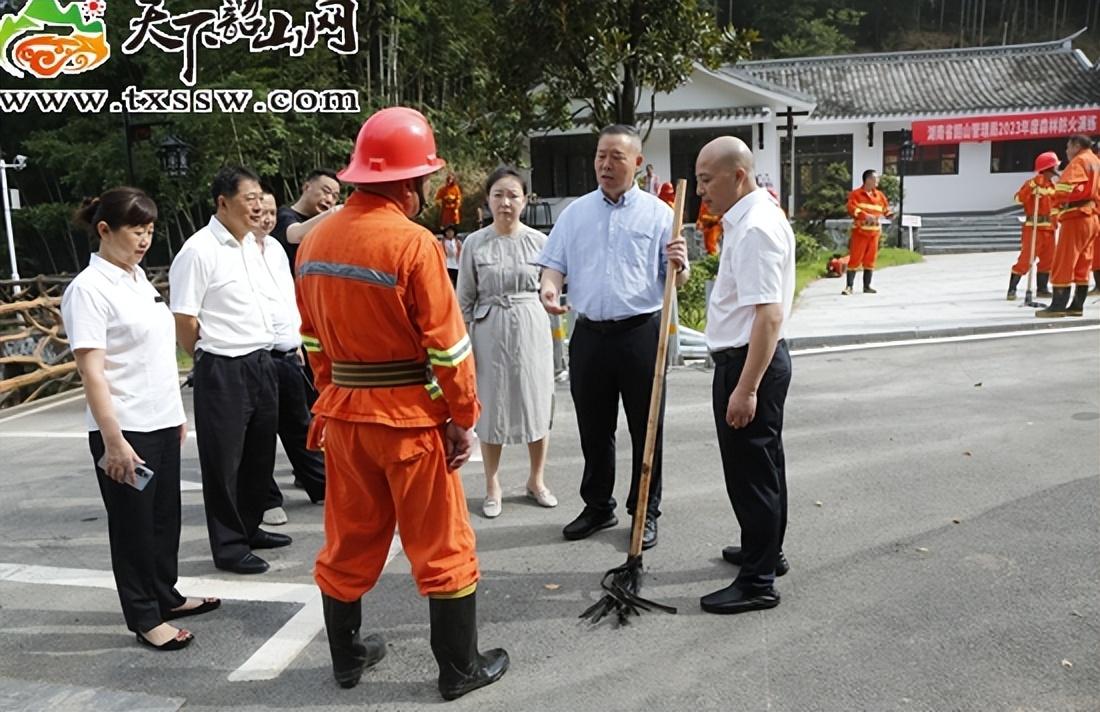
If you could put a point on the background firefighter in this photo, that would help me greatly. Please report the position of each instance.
(1075, 199)
(867, 205)
(1038, 225)
(393, 365)
(449, 197)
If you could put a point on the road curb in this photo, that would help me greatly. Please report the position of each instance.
(812, 342)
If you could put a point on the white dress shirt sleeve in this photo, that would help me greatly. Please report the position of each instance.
(188, 279)
(758, 268)
(86, 317)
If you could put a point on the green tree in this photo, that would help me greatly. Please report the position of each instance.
(607, 53)
(818, 36)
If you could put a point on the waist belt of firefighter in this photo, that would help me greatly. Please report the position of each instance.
(1079, 204)
(387, 374)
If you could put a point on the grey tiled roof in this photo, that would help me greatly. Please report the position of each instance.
(725, 113)
(957, 81)
(680, 116)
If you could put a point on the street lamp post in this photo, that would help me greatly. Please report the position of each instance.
(19, 164)
(905, 155)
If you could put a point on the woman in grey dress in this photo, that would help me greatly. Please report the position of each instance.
(513, 349)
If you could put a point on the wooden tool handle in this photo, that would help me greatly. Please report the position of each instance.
(658, 380)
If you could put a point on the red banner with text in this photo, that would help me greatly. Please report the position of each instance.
(1014, 127)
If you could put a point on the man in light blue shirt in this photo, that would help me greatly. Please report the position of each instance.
(614, 245)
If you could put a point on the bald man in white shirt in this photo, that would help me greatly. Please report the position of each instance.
(750, 304)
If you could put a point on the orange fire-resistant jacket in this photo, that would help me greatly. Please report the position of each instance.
(373, 288)
(711, 227)
(449, 198)
(862, 204)
(1077, 192)
(1043, 187)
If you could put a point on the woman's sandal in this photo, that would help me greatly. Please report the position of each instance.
(177, 643)
(207, 605)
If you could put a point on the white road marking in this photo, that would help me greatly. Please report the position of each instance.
(941, 340)
(270, 659)
(32, 411)
(42, 434)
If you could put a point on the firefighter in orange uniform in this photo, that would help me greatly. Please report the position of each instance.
(1077, 200)
(867, 205)
(668, 194)
(711, 226)
(449, 197)
(1096, 265)
(392, 363)
(1039, 227)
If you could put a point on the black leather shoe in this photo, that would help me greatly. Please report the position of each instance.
(269, 540)
(731, 599)
(732, 554)
(649, 534)
(588, 523)
(248, 564)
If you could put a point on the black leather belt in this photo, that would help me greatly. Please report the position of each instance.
(731, 354)
(616, 326)
(386, 374)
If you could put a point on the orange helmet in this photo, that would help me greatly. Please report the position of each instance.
(394, 144)
(1046, 161)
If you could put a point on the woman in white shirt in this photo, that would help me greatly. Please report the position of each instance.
(452, 250)
(123, 337)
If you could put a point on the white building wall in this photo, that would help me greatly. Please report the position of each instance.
(656, 151)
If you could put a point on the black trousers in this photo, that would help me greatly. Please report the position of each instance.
(236, 416)
(296, 398)
(609, 360)
(752, 460)
(144, 528)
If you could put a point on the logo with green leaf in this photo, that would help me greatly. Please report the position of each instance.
(46, 40)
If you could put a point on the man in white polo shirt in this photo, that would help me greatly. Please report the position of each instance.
(217, 284)
(296, 393)
(750, 303)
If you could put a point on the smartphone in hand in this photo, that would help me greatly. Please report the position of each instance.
(142, 474)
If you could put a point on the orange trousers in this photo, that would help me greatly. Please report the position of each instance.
(1044, 250)
(862, 250)
(378, 477)
(1073, 254)
(448, 216)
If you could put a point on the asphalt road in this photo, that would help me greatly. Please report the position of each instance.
(944, 535)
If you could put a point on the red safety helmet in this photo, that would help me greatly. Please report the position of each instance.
(1046, 161)
(394, 144)
(667, 192)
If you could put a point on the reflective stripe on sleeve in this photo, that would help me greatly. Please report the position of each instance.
(453, 356)
(311, 344)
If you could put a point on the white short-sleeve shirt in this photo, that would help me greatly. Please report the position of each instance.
(756, 267)
(279, 291)
(220, 280)
(105, 307)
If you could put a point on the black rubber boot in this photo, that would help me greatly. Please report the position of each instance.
(1095, 277)
(851, 277)
(1057, 308)
(867, 282)
(1077, 306)
(1013, 282)
(350, 655)
(462, 668)
(1042, 280)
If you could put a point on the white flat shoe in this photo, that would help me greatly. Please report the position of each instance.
(544, 497)
(275, 516)
(491, 508)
